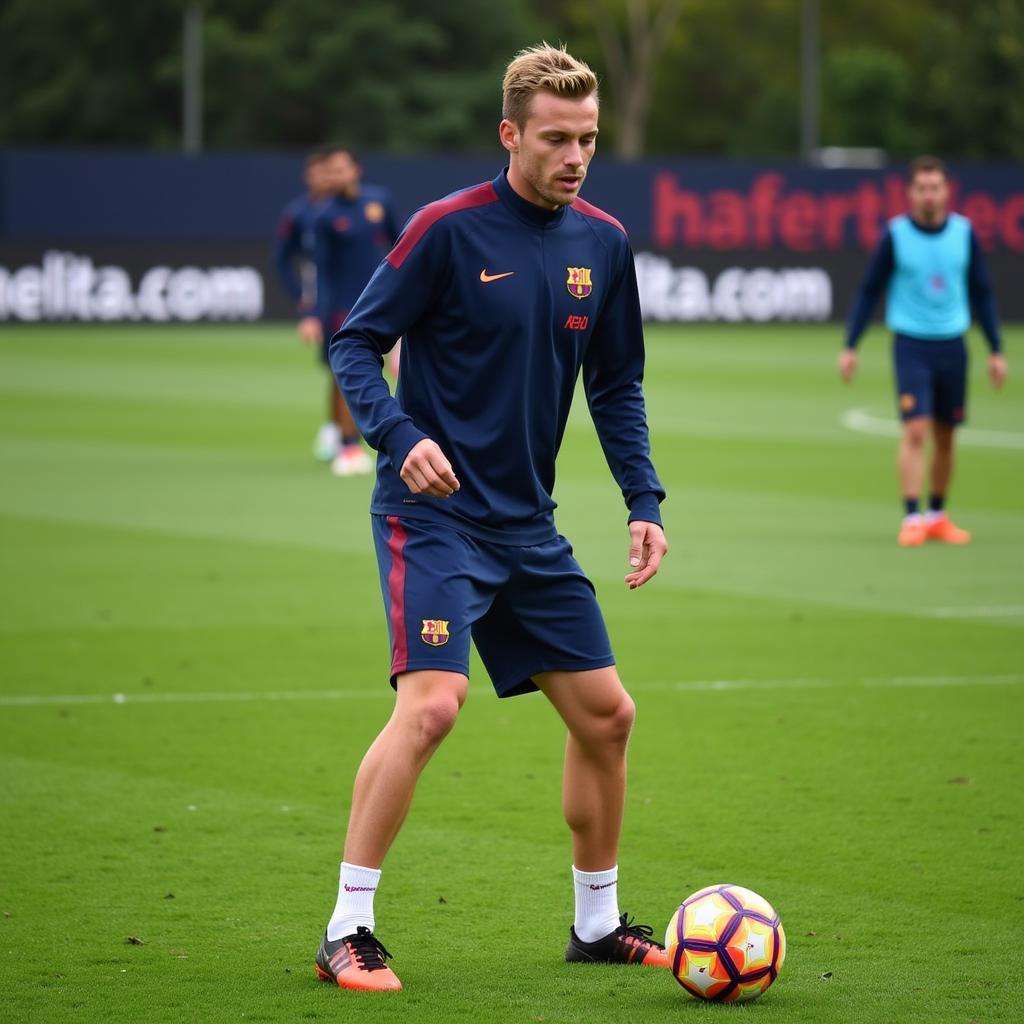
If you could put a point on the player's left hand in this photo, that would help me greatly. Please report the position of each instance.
(646, 550)
(997, 369)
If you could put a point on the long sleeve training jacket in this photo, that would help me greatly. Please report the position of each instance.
(502, 303)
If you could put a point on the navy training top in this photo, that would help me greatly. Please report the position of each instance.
(294, 249)
(351, 235)
(880, 271)
(501, 302)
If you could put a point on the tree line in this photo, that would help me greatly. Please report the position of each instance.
(689, 77)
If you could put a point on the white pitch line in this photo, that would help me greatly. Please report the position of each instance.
(862, 422)
(683, 686)
(37, 700)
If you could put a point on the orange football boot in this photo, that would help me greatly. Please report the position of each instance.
(629, 944)
(913, 532)
(943, 528)
(356, 962)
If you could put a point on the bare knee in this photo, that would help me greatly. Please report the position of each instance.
(427, 709)
(915, 433)
(435, 719)
(943, 437)
(610, 726)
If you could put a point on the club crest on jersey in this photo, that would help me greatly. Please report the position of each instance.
(373, 211)
(579, 283)
(435, 632)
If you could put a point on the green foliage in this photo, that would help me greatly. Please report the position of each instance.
(865, 93)
(973, 80)
(909, 76)
(416, 75)
(402, 75)
(75, 72)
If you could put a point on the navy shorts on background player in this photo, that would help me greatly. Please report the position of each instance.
(931, 378)
(528, 609)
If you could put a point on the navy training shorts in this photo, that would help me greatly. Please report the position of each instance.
(528, 609)
(931, 378)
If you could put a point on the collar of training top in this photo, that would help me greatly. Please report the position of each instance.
(535, 214)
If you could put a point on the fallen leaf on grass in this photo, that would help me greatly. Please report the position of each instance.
(961, 780)
(134, 940)
(827, 976)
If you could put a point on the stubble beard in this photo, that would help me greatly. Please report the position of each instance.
(552, 195)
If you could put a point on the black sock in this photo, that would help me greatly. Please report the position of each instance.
(911, 504)
(937, 502)
(349, 439)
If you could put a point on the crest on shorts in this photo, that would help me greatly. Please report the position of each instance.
(579, 283)
(435, 632)
(373, 211)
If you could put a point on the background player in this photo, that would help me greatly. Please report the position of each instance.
(504, 292)
(294, 243)
(933, 267)
(353, 229)
(295, 262)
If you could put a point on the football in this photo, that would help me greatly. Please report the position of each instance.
(725, 944)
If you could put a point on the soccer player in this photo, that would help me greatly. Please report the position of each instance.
(933, 267)
(353, 229)
(293, 246)
(294, 260)
(504, 292)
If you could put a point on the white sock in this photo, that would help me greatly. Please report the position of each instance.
(597, 903)
(914, 517)
(932, 516)
(356, 889)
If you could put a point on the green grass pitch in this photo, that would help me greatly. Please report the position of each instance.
(823, 717)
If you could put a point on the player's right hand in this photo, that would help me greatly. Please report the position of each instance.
(427, 471)
(997, 369)
(310, 331)
(847, 364)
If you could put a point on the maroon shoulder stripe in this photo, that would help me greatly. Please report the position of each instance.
(590, 210)
(396, 596)
(479, 195)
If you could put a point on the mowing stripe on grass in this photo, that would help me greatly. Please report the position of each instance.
(1011, 611)
(41, 700)
(862, 422)
(869, 682)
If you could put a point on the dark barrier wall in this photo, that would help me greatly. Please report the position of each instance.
(112, 236)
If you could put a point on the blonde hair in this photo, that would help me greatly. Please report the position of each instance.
(543, 67)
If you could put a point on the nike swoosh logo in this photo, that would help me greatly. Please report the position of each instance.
(485, 277)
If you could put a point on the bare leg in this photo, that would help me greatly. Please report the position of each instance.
(911, 455)
(599, 715)
(338, 411)
(425, 711)
(942, 459)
